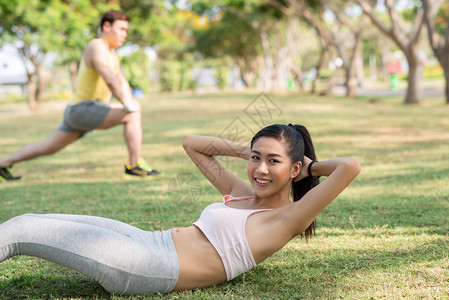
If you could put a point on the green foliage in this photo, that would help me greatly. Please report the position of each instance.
(157, 24)
(67, 26)
(51, 25)
(233, 36)
(409, 12)
(221, 75)
(38, 27)
(176, 75)
(441, 19)
(310, 59)
(433, 72)
(78, 23)
(234, 28)
(370, 48)
(136, 68)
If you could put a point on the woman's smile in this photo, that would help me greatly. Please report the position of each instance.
(262, 182)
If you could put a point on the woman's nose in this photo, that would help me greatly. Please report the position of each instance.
(262, 168)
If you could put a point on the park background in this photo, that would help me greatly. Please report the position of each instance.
(345, 69)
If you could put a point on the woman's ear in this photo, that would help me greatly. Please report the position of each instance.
(296, 168)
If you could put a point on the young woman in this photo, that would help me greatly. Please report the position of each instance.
(229, 238)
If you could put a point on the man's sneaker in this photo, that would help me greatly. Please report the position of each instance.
(5, 174)
(144, 165)
(138, 170)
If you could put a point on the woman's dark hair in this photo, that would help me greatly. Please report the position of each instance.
(299, 144)
(112, 16)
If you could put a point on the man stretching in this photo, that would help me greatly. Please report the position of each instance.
(99, 78)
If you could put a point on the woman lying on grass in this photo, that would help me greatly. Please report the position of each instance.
(230, 237)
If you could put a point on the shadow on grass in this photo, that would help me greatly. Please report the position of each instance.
(46, 286)
(305, 273)
(392, 210)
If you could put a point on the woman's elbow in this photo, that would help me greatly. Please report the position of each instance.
(187, 141)
(354, 166)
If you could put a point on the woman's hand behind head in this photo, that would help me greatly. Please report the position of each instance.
(303, 173)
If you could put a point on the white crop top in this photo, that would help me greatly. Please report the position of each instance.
(224, 227)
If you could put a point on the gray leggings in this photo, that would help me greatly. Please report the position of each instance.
(122, 258)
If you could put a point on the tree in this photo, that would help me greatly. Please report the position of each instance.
(437, 23)
(406, 40)
(344, 34)
(347, 39)
(231, 33)
(19, 27)
(38, 27)
(281, 52)
(293, 34)
(263, 42)
(159, 24)
(166, 28)
(78, 24)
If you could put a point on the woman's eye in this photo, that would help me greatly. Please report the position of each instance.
(254, 157)
(273, 161)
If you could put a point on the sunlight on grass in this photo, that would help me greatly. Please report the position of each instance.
(386, 236)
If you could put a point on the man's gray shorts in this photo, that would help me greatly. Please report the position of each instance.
(84, 116)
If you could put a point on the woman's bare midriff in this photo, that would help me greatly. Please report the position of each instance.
(199, 263)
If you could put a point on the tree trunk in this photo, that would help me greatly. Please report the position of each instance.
(28, 57)
(247, 70)
(31, 93)
(296, 71)
(292, 35)
(446, 77)
(248, 78)
(444, 62)
(281, 70)
(385, 57)
(443, 59)
(268, 61)
(415, 73)
(73, 74)
(359, 69)
(332, 83)
(318, 69)
(351, 82)
(439, 45)
(351, 71)
(40, 86)
(333, 80)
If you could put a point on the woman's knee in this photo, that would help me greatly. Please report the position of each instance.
(21, 219)
(14, 227)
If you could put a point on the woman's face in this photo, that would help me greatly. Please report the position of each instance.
(270, 168)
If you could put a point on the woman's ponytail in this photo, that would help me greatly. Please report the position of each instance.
(300, 188)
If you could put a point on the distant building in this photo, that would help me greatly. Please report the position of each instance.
(12, 70)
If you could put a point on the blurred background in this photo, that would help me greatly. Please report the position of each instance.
(350, 48)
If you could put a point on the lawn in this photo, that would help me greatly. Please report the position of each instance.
(385, 237)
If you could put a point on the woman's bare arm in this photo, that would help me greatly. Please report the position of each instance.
(340, 172)
(203, 149)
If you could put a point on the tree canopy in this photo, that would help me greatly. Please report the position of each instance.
(260, 36)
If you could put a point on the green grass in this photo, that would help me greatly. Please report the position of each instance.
(385, 237)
